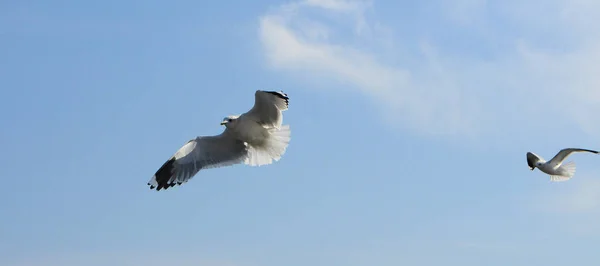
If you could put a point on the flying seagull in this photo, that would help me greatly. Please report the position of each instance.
(254, 138)
(555, 168)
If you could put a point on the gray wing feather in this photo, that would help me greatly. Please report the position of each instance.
(532, 159)
(564, 153)
(199, 153)
(268, 108)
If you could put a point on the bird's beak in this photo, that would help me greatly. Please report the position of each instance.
(223, 123)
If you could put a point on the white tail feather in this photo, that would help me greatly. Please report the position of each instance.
(569, 168)
(273, 148)
(559, 178)
(568, 172)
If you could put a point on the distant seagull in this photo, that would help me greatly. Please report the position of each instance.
(557, 171)
(254, 138)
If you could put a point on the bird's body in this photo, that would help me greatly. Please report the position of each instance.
(562, 172)
(250, 131)
(555, 167)
(255, 138)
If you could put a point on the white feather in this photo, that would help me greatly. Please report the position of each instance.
(272, 149)
(255, 138)
(567, 171)
(555, 168)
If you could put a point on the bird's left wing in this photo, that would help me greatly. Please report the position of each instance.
(564, 153)
(199, 153)
(268, 108)
(532, 159)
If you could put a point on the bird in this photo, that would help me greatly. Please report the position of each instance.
(555, 168)
(254, 138)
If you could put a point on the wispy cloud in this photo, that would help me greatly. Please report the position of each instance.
(520, 81)
(294, 45)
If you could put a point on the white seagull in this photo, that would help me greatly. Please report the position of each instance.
(254, 138)
(555, 168)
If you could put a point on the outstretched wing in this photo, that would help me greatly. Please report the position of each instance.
(199, 153)
(268, 108)
(532, 159)
(564, 153)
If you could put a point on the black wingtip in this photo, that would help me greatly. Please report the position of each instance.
(592, 151)
(282, 95)
(163, 175)
(530, 160)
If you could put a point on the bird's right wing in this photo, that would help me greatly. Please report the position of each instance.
(199, 153)
(268, 108)
(564, 153)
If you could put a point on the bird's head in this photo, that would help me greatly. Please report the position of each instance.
(229, 121)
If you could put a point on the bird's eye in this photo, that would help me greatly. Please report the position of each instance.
(229, 120)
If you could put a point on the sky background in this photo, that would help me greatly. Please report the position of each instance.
(410, 123)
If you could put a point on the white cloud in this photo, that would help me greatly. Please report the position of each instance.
(297, 49)
(338, 5)
(527, 83)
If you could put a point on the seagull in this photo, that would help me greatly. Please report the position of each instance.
(254, 138)
(555, 168)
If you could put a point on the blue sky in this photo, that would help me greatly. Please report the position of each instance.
(410, 123)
